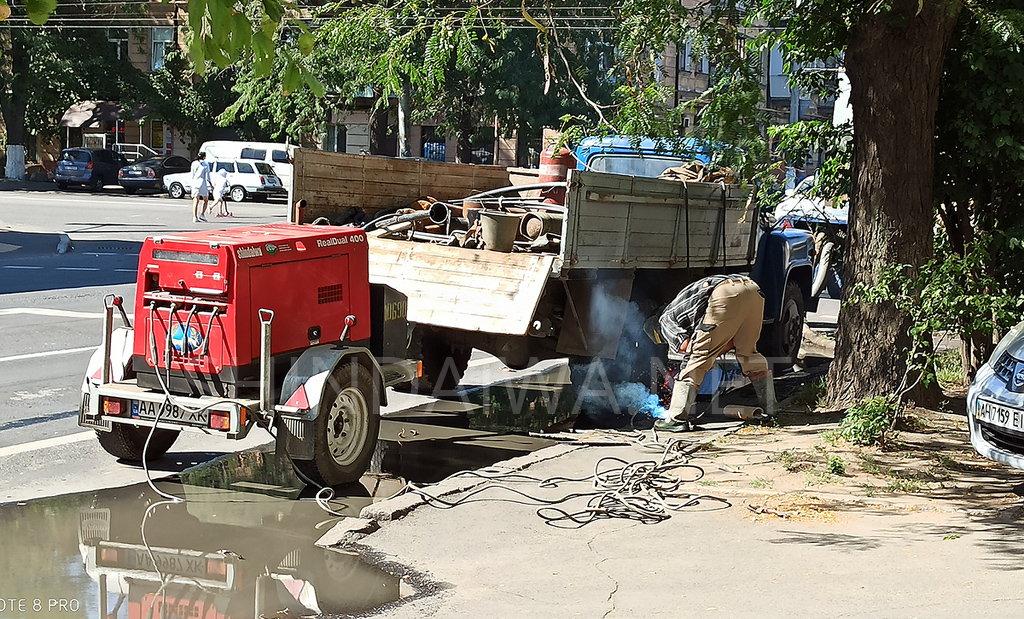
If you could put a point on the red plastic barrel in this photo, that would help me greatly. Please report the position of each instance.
(554, 167)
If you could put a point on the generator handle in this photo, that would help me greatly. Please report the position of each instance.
(108, 330)
(266, 317)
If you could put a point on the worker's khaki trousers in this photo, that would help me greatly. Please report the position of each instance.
(733, 318)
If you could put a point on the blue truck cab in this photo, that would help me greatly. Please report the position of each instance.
(784, 262)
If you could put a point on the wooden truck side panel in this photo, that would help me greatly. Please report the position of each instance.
(331, 183)
(616, 221)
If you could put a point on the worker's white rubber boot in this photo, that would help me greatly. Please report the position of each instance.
(684, 393)
(764, 387)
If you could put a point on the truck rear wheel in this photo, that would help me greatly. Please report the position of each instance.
(346, 428)
(126, 442)
(444, 364)
(780, 341)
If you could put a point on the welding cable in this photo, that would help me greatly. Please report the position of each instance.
(640, 491)
(164, 580)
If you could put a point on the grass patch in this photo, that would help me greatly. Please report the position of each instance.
(762, 482)
(708, 483)
(812, 394)
(870, 465)
(949, 370)
(822, 478)
(831, 437)
(900, 484)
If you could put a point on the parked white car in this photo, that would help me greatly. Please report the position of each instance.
(245, 179)
(995, 403)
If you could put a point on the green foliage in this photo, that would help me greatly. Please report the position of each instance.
(45, 70)
(951, 293)
(189, 101)
(868, 421)
(836, 466)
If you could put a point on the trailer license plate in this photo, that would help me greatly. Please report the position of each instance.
(171, 412)
(999, 415)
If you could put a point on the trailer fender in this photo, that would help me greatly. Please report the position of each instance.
(302, 391)
(121, 343)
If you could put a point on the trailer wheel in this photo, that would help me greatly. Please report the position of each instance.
(126, 442)
(780, 341)
(346, 429)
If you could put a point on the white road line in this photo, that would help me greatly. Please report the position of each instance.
(42, 311)
(78, 437)
(78, 268)
(101, 253)
(49, 353)
(125, 270)
(14, 266)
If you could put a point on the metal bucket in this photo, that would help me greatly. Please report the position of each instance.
(536, 225)
(498, 230)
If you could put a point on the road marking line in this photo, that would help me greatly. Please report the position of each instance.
(14, 266)
(49, 353)
(78, 268)
(78, 437)
(125, 270)
(42, 311)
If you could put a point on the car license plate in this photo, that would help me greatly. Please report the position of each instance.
(172, 413)
(999, 415)
(168, 562)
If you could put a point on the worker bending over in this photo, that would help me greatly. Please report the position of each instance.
(706, 319)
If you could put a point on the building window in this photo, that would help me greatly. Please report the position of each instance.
(336, 139)
(685, 57)
(118, 38)
(163, 42)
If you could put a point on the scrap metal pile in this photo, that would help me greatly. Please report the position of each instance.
(517, 218)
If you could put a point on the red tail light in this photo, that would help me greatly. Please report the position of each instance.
(786, 224)
(150, 173)
(88, 166)
(263, 181)
(120, 174)
(216, 567)
(112, 406)
(220, 420)
(108, 555)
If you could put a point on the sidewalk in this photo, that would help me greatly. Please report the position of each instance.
(929, 530)
(14, 185)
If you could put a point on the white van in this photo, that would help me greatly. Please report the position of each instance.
(275, 155)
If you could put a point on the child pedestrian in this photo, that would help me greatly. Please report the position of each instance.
(220, 189)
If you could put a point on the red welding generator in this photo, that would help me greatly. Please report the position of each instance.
(201, 297)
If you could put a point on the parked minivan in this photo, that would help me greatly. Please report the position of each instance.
(92, 167)
(273, 154)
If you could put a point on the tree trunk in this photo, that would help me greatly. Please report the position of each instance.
(14, 62)
(378, 123)
(894, 61)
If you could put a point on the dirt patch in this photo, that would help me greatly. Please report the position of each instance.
(800, 470)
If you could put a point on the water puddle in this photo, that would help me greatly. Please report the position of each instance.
(242, 544)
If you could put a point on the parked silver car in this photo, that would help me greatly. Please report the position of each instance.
(995, 403)
(245, 179)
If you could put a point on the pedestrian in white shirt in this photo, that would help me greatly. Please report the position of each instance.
(200, 187)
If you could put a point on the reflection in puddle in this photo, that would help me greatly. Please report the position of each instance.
(221, 554)
(242, 545)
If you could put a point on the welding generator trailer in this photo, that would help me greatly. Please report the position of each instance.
(275, 325)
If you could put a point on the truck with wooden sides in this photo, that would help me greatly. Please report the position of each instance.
(615, 248)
